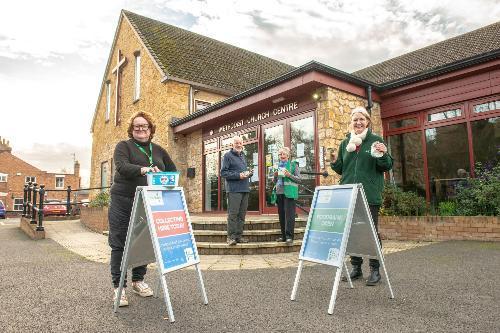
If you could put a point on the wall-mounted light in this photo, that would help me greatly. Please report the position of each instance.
(316, 96)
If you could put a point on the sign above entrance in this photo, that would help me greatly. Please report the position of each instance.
(256, 117)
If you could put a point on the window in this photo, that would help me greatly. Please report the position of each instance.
(137, 80)
(30, 179)
(59, 182)
(18, 204)
(104, 174)
(488, 106)
(443, 115)
(486, 140)
(3, 177)
(403, 123)
(108, 101)
(200, 105)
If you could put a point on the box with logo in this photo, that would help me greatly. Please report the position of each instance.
(170, 179)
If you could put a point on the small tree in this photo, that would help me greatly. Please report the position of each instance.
(101, 200)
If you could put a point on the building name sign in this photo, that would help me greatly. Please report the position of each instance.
(258, 117)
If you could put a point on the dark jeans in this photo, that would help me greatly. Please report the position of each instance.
(120, 209)
(286, 212)
(374, 263)
(237, 204)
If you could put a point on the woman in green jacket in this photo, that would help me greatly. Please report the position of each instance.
(363, 158)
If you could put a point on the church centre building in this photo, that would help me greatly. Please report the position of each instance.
(438, 109)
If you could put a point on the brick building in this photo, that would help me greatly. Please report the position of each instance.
(15, 173)
(438, 109)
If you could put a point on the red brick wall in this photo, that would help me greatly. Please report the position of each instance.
(434, 228)
(95, 218)
(17, 171)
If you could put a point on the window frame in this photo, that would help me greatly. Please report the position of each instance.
(5, 177)
(59, 177)
(137, 76)
(450, 107)
(14, 204)
(26, 181)
(107, 112)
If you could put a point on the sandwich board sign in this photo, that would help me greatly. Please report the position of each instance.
(339, 223)
(160, 231)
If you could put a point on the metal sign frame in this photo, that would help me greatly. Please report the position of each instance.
(141, 200)
(354, 206)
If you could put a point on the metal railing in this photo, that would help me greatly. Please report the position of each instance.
(310, 192)
(34, 201)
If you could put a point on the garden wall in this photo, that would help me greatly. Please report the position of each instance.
(95, 218)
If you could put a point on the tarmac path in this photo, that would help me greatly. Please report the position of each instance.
(442, 287)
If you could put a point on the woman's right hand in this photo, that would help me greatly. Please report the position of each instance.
(145, 170)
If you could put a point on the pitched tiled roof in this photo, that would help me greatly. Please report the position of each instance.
(475, 43)
(192, 57)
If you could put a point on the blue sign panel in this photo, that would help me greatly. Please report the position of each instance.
(177, 250)
(326, 225)
(163, 178)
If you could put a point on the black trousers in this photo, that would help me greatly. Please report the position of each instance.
(286, 212)
(120, 209)
(374, 263)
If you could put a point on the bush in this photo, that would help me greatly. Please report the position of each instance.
(447, 208)
(400, 203)
(480, 195)
(101, 200)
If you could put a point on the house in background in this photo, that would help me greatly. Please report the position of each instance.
(15, 173)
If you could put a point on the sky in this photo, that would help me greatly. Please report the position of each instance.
(53, 53)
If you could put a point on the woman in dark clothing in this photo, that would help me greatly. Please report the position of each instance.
(363, 158)
(133, 158)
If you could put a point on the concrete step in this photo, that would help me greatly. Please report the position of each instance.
(250, 224)
(266, 235)
(247, 248)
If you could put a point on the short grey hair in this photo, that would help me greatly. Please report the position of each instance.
(285, 150)
(237, 137)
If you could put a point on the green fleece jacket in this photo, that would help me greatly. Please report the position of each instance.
(361, 167)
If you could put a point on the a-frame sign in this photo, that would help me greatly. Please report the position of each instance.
(160, 231)
(339, 223)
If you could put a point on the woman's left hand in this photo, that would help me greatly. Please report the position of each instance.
(287, 174)
(381, 147)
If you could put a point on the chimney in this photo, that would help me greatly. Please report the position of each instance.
(4, 145)
(76, 169)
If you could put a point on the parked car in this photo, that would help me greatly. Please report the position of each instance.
(2, 210)
(53, 207)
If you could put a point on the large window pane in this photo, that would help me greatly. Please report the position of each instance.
(486, 140)
(274, 139)
(211, 181)
(302, 146)
(252, 155)
(447, 157)
(408, 169)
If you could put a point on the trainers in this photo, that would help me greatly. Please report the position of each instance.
(289, 241)
(231, 242)
(142, 289)
(242, 240)
(123, 298)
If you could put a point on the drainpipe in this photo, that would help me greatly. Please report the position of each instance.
(370, 101)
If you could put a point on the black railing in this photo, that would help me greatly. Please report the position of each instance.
(308, 192)
(34, 201)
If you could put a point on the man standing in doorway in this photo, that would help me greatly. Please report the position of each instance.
(234, 170)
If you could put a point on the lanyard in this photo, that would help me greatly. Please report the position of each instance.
(150, 157)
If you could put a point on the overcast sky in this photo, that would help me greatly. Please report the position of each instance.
(53, 53)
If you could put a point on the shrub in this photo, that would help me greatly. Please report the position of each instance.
(447, 208)
(101, 200)
(480, 195)
(398, 202)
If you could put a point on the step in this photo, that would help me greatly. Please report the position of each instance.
(247, 248)
(266, 235)
(261, 224)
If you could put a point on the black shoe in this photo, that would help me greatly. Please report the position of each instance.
(231, 242)
(374, 277)
(355, 274)
(241, 240)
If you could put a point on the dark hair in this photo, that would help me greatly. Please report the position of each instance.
(149, 119)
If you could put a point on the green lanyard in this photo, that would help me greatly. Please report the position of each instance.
(150, 157)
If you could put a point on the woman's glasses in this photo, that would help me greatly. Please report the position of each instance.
(141, 127)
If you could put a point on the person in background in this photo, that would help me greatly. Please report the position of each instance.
(287, 179)
(363, 158)
(236, 174)
(133, 159)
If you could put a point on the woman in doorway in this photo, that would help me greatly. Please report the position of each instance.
(287, 179)
(133, 159)
(363, 158)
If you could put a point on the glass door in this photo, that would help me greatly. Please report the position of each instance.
(302, 147)
(274, 139)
